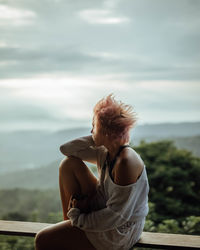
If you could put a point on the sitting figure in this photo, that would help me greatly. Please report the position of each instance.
(107, 212)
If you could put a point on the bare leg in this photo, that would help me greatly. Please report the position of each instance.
(62, 236)
(74, 178)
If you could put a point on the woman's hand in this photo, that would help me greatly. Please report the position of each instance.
(82, 204)
(72, 203)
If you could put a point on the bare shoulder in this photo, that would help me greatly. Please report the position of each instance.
(129, 167)
(131, 156)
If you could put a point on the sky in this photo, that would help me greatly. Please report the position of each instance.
(59, 57)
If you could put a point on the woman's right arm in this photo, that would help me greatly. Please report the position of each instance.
(82, 147)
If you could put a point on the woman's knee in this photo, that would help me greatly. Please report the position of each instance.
(40, 240)
(62, 236)
(69, 164)
(74, 169)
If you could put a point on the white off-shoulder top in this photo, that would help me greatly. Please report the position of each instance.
(119, 212)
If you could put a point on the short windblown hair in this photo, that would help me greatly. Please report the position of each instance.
(115, 119)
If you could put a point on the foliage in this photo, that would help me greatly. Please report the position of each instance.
(16, 243)
(169, 225)
(191, 225)
(174, 179)
(29, 205)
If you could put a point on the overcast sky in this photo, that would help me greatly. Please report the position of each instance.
(58, 58)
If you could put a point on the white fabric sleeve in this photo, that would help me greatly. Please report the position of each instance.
(82, 147)
(115, 214)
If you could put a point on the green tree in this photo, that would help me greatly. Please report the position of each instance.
(191, 225)
(15, 216)
(174, 179)
(169, 226)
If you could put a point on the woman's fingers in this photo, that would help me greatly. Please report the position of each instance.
(74, 203)
(70, 202)
(82, 204)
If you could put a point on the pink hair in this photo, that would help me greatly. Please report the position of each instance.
(115, 119)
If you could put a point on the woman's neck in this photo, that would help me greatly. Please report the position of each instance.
(113, 149)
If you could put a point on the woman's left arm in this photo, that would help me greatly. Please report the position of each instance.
(96, 221)
(119, 209)
(82, 147)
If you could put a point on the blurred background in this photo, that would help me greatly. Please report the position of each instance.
(58, 58)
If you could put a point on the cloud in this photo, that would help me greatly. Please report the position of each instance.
(17, 63)
(19, 110)
(14, 16)
(140, 39)
(100, 46)
(12, 13)
(95, 16)
(53, 103)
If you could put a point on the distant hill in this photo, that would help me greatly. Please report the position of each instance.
(45, 177)
(33, 149)
(184, 129)
(41, 178)
(190, 143)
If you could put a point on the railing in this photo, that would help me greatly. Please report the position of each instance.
(148, 239)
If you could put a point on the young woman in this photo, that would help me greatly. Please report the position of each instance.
(108, 212)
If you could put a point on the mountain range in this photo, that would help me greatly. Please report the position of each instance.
(31, 159)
